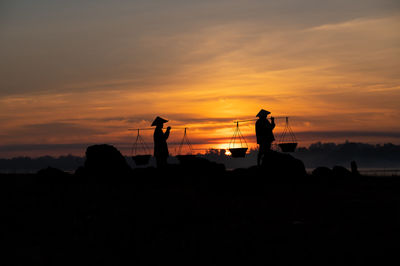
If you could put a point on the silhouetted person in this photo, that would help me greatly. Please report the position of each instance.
(264, 134)
(354, 168)
(160, 142)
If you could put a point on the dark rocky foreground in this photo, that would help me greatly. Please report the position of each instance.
(198, 214)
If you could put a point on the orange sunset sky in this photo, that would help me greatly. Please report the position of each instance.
(74, 73)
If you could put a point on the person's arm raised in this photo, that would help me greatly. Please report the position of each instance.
(273, 122)
(166, 134)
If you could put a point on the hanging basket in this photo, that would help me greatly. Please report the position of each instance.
(287, 142)
(188, 157)
(288, 147)
(140, 152)
(238, 152)
(238, 145)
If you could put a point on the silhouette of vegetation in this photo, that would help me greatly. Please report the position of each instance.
(326, 154)
(31, 165)
(317, 154)
(366, 155)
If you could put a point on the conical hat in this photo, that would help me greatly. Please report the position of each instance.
(263, 113)
(158, 121)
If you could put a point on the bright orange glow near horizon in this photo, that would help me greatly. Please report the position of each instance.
(95, 71)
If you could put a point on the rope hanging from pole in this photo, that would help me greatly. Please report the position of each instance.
(185, 141)
(287, 141)
(140, 152)
(238, 144)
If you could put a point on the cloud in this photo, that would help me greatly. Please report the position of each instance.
(151, 45)
(49, 132)
(349, 134)
(96, 69)
(349, 25)
(44, 147)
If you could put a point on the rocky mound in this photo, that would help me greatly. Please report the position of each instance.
(104, 161)
(282, 164)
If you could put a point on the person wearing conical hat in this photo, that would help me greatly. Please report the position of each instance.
(264, 134)
(160, 141)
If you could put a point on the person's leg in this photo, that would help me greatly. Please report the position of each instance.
(265, 151)
(158, 162)
(164, 162)
(161, 161)
(268, 146)
(260, 153)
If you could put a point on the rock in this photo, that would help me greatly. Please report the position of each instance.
(336, 174)
(282, 164)
(105, 161)
(341, 172)
(80, 171)
(322, 172)
(198, 164)
(354, 168)
(51, 172)
(52, 175)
